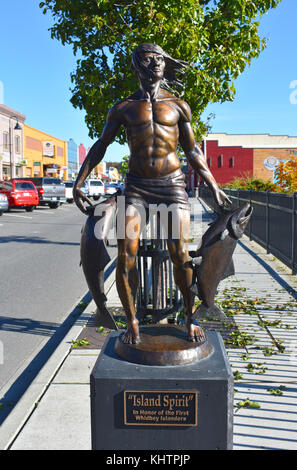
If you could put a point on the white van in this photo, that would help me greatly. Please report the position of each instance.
(96, 188)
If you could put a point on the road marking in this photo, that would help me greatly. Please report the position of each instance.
(23, 216)
(45, 213)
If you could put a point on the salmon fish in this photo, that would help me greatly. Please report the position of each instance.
(94, 256)
(213, 261)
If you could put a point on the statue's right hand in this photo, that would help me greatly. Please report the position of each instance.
(79, 199)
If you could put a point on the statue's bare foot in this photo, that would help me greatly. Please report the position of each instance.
(131, 335)
(195, 332)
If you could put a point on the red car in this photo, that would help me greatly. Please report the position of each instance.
(20, 193)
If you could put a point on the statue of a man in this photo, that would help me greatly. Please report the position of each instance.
(155, 121)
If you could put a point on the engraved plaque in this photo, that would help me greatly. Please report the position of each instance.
(160, 408)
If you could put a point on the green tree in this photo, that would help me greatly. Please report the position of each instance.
(124, 165)
(218, 38)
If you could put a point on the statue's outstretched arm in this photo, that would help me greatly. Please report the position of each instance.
(94, 157)
(196, 157)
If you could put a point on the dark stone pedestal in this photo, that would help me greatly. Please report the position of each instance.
(140, 407)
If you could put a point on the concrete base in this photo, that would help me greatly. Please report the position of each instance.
(139, 407)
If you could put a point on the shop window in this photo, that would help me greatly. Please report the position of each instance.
(5, 172)
(17, 144)
(5, 141)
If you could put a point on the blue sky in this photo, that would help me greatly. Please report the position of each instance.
(35, 73)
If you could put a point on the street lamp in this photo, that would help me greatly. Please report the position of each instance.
(17, 127)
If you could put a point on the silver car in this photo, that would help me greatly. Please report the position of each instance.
(3, 203)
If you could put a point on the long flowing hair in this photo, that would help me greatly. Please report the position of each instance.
(173, 67)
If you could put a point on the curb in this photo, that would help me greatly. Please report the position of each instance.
(22, 411)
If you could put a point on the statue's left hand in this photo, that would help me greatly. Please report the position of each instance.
(79, 199)
(221, 198)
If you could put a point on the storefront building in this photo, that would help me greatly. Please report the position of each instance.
(11, 143)
(44, 154)
(231, 156)
(72, 159)
(82, 153)
(100, 171)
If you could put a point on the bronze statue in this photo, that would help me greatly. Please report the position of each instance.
(155, 121)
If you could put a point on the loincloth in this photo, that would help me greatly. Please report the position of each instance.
(162, 190)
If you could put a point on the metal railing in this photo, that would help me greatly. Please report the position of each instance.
(273, 223)
(157, 294)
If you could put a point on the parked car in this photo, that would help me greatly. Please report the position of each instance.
(3, 203)
(51, 190)
(96, 188)
(20, 193)
(69, 191)
(111, 188)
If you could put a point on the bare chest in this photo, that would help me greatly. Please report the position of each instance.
(145, 112)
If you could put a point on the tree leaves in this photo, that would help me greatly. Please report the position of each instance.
(286, 175)
(218, 38)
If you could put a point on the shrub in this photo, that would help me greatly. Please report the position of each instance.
(257, 184)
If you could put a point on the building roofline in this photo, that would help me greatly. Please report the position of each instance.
(255, 134)
(253, 140)
(9, 112)
(45, 133)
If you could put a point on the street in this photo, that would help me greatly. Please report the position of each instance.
(41, 283)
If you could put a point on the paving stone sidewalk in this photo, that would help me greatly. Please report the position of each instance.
(261, 343)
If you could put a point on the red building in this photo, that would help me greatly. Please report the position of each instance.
(244, 155)
(82, 152)
(228, 162)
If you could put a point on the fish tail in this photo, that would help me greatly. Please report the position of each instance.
(104, 318)
(212, 312)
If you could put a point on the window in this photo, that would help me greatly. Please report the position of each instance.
(209, 162)
(5, 171)
(220, 161)
(231, 162)
(24, 185)
(17, 144)
(5, 141)
(51, 181)
(8, 186)
(96, 183)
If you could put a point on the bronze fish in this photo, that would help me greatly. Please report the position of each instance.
(213, 258)
(95, 257)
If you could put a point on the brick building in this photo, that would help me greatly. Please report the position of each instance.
(255, 155)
